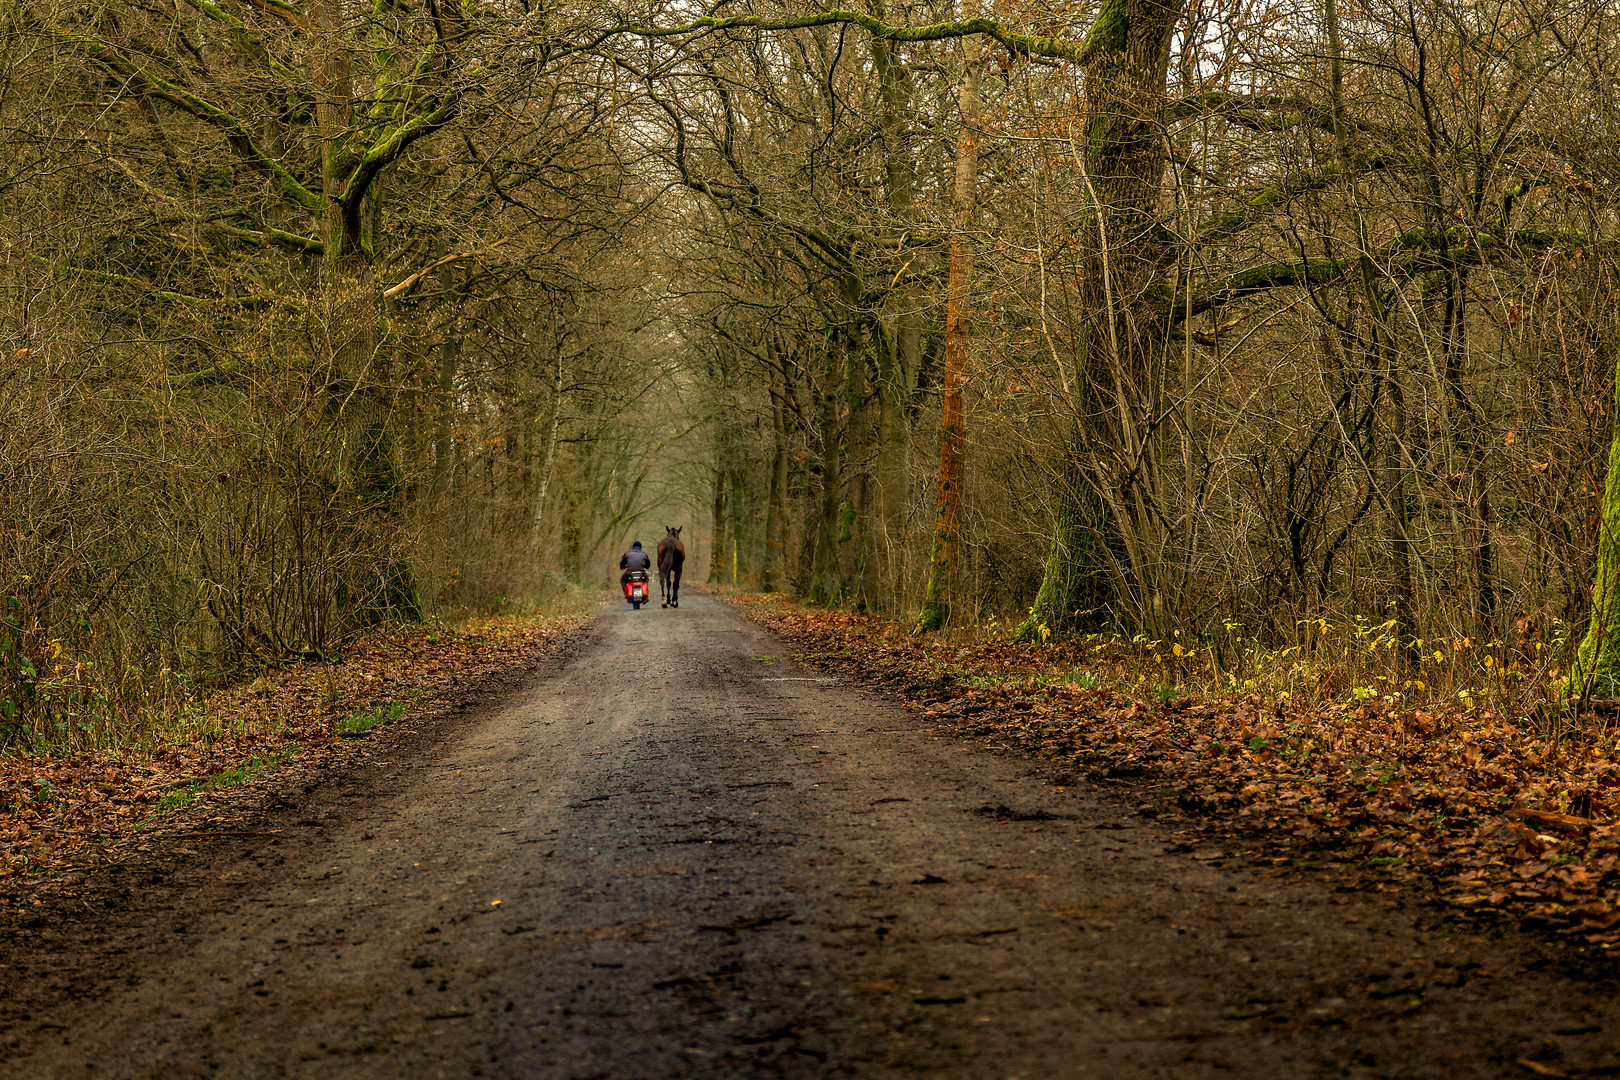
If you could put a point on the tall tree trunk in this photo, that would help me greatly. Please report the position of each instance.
(772, 571)
(717, 525)
(859, 569)
(1380, 342)
(742, 538)
(1107, 545)
(1400, 526)
(942, 568)
(898, 347)
(571, 530)
(550, 452)
(1468, 428)
(449, 354)
(1596, 672)
(824, 583)
(381, 582)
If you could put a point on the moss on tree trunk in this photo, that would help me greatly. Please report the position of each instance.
(1074, 587)
(1120, 339)
(1597, 664)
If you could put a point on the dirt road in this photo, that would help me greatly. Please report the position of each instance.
(675, 853)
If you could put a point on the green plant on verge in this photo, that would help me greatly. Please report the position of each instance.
(183, 796)
(358, 723)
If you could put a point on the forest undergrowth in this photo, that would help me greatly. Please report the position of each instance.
(1493, 801)
(85, 803)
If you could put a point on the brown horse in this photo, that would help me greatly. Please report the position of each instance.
(671, 557)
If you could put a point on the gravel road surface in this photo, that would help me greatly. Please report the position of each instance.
(673, 852)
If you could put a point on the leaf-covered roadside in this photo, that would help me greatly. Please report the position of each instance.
(70, 809)
(1494, 815)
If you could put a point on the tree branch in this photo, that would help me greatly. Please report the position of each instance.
(1055, 48)
(1475, 249)
(236, 132)
(244, 37)
(392, 143)
(405, 285)
(166, 295)
(1317, 178)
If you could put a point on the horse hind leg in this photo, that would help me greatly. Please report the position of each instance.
(663, 588)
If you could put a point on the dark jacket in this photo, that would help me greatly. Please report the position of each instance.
(635, 559)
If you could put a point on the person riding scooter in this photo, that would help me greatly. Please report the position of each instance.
(634, 559)
(634, 579)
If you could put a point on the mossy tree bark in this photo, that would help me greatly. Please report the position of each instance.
(1596, 672)
(1109, 488)
(380, 583)
(1074, 592)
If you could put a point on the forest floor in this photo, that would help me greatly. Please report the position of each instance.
(1503, 818)
(78, 807)
(664, 847)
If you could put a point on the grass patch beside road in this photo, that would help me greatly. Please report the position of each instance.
(359, 723)
(183, 796)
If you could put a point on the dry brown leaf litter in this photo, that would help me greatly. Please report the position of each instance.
(1497, 816)
(66, 810)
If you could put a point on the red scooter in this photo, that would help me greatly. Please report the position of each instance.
(636, 588)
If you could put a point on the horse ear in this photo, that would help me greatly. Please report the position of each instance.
(678, 529)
